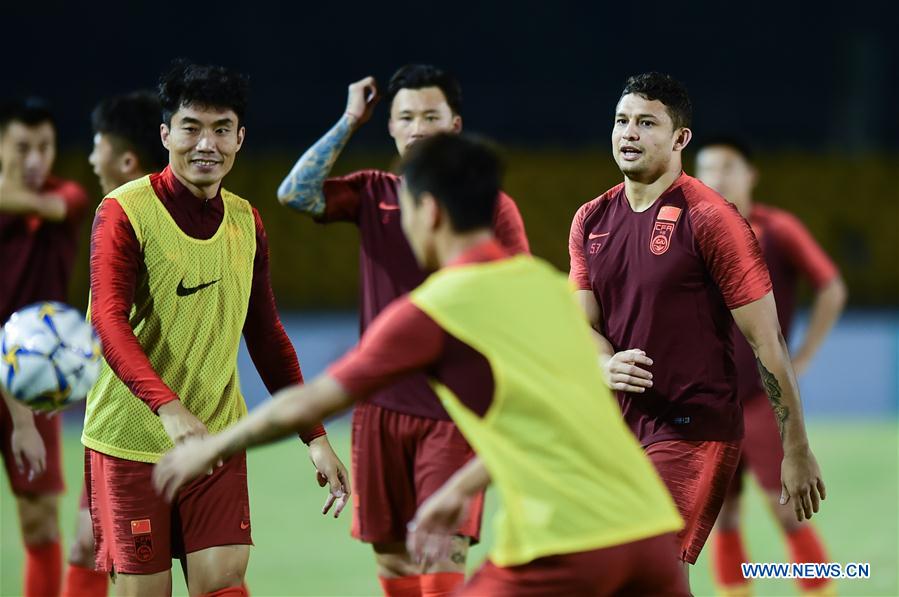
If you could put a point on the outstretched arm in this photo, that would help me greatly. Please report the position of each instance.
(800, 474)
(303, 189)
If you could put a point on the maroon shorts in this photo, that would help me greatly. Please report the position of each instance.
(399, 461)
(51, 481)
(762, 449)
(645, 567)
(697, 474)
(137, 532)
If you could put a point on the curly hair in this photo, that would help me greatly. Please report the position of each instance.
(189, 84)
(666, 89)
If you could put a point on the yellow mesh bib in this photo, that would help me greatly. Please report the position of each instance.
(569, 474)
(188, 314)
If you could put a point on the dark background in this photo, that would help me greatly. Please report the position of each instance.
(815, 76)
(812, 86)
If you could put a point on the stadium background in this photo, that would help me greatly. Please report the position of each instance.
(809, 90)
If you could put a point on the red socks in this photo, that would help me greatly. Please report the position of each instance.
(728, 553)
(84, 582)
(240, 591)
(441, 584)
(43, 569)
(401, 586)
(806, 546)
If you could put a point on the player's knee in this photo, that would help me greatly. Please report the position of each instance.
(81, 553)
(456, 560)
(394, 561)
(38, 516)
(729, 516)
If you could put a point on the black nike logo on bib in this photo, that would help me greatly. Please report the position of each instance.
(183, 291)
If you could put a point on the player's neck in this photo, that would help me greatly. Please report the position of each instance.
(641, 195)
(204, 192)
(744, 207)
(451, 246)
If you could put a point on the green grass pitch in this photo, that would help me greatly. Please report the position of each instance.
(299, 552)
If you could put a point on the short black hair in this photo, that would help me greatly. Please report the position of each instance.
(666, 89)
(189, 84)
(419, 76)
(132, 123)
(462, 173)
(731, 142)
(30, 111)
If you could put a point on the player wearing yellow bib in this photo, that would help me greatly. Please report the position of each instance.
(179, 270)
(582, 511)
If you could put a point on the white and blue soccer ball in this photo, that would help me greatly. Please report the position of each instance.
(49, 356)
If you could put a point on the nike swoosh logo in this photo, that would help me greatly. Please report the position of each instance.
(592, 235)
(387, 206)
(244, 525)
(184, 291)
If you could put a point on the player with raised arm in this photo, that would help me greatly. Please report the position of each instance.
(126, 147)
(581, 510)
(179, 270)
(791, 253)
(40, 216)
(663, 267)
(402, 428)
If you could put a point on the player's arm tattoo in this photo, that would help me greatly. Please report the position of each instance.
(303, 189)
(775, 394)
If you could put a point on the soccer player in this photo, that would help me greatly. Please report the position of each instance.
(402, 428)
(126, 147)
(664, 266)
(40, 216)
(179, 269)
(726, 165)
(582, 511)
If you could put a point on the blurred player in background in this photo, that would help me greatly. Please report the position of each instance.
(664, 266)
(726, 165)
(126, 147)
(40, 216)
(403, 428)
(582, 512)
(179, 269)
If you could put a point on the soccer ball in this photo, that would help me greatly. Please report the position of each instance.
(49, 356)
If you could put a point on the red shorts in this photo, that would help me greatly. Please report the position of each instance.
(399, 461)
(51, 481)
(762, 449)
(697, 474)
(646, 567)
(137, 532)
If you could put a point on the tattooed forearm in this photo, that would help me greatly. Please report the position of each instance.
(303, 188)
(772, 388)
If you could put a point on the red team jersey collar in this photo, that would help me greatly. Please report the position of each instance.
(677, 182)
(179, 193)
(488, 250)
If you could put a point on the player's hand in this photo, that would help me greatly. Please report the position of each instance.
(28, 450)
(624, 372)
(330, 470)
(431, 533)
(182, 464)
(802, 484)
(362, 97)
(179, 423)
(800, 366)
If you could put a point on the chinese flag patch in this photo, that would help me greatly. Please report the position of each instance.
(669, 213)
(140, 527)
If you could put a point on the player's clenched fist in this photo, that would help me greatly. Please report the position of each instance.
(179, 423)
(362, 97)
(624, 371)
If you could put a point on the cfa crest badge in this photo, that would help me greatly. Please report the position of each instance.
(663, 229)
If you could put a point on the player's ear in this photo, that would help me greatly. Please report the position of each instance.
(241, 135)
(128, 162)
(682, 139)
(433, 213)
(164, 134)
(457, 124)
